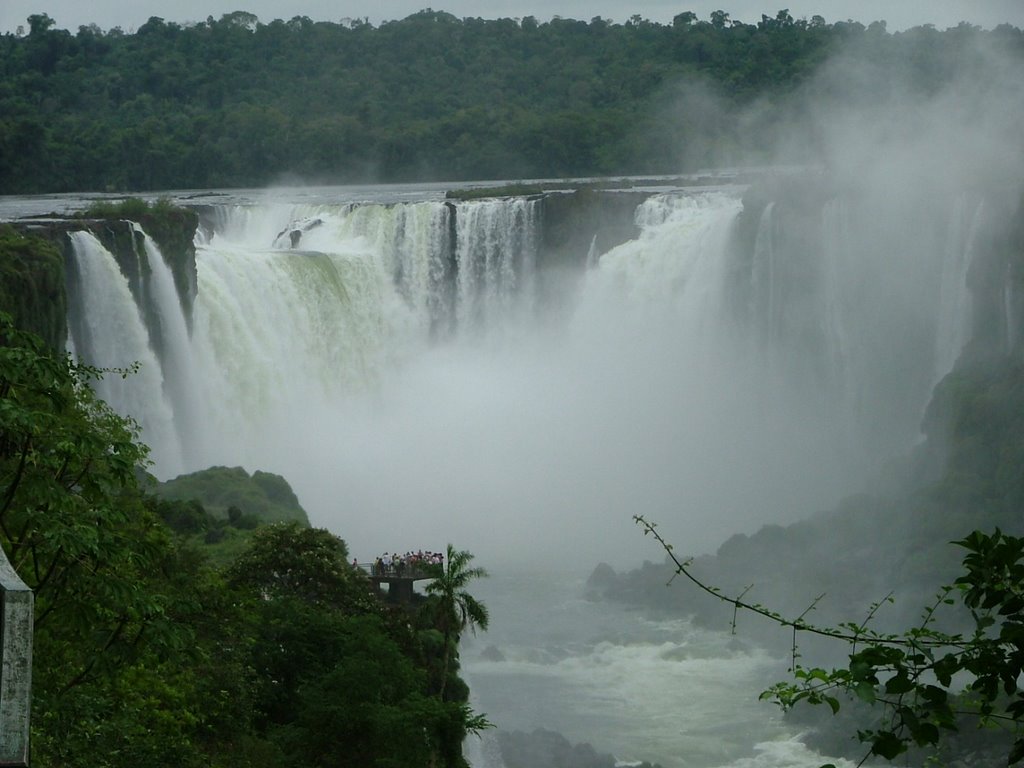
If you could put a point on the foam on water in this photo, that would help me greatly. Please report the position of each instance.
(650, 689)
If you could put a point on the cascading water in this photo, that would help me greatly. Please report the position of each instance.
(109, 331)
(496, 255)
(298, 308)
(954, 324)
(763, 275)
(170, 334)
(316, 345)
(702, 395)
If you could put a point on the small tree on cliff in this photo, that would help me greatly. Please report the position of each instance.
(452, 608)
(293, 561)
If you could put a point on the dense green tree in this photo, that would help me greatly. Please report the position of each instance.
(32, 285)
(235, 101)
(294, 561)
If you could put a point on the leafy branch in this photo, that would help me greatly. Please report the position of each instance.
(910, 675)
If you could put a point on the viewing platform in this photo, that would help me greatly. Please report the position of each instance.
(400, 580)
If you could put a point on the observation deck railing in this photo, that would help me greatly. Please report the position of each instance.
(412, 572)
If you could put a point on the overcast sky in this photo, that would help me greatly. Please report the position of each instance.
(899, 14)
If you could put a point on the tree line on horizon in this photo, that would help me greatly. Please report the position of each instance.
(236, 102)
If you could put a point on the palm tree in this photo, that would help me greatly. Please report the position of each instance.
(454, 609)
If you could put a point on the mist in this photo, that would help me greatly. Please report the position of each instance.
(537, 444)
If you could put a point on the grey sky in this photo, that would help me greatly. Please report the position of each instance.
(899, 14)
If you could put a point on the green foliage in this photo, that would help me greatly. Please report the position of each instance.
(32, 285)
(183, 517)
(172, 227)
(74, 526)
(221, 507)
(369, 707)
(133, 208)
(311, 564)
(430, 96)
(457, 609)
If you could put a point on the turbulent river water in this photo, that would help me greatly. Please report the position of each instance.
(632, 685)
(405, 363)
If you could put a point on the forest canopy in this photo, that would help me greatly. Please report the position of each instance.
(239, 102)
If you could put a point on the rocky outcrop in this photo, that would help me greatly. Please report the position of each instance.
(265, 496)
(549, 749)
(575, 221)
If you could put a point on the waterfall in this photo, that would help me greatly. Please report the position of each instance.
(836, 236)
(110, 332)
(413, 241)
(698, 415)
(298, 308)
(677, 264)
(763, 274)
(496, 255)
(388, 359)
(954, 304)
(182, 389)
(592, 253)
(275, 332)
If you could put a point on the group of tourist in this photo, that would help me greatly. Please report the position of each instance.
(393, 564)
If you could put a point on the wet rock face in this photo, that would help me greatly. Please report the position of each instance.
(492, 653)
(574, 221)
(548, 749)
(601, 581)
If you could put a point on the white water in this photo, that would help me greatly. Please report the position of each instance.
(182, 388)
(118, 339)
(636, 687)
(496, 257)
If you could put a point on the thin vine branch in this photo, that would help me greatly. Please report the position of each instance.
(798, 624)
